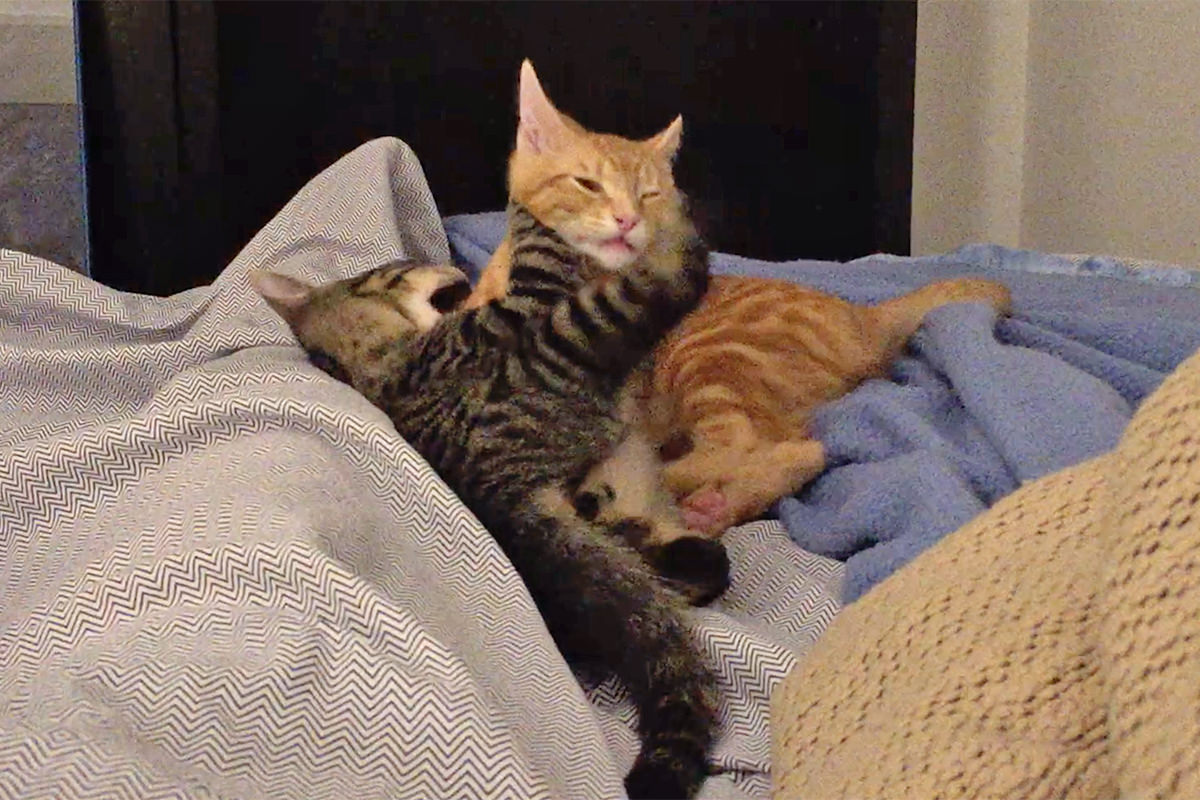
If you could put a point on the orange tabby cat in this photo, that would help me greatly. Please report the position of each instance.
(739, 378)
(606, 195)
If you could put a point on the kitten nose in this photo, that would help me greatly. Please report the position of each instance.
(627, 222)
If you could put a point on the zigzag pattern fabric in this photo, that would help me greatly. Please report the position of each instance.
(224, 575)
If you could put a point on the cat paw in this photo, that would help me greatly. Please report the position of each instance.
(659, 780)
(706, 510)
(589, 502)
(697, 568)
(633, 530)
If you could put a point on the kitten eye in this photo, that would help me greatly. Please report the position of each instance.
(650, 194)
(587, 184)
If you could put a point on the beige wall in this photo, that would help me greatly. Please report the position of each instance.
(37, 51)
(1059, 125)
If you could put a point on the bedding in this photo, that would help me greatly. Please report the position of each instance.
(977, 407)
(223, 574)
(1048, 649)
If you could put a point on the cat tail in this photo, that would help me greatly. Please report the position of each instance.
(897, 319)
(603, 606)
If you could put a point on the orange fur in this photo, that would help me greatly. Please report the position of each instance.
(586, 186)
(740, 376)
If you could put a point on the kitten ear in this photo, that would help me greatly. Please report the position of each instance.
(285, 294)
(667, 140)
(540, 128)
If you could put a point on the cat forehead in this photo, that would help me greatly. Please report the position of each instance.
(626, 153)
(637, 168)
(380, 279)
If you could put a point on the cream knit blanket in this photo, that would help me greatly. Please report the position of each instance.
(1049, 649)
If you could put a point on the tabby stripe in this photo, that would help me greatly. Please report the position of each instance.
(610, 314)
(585, 321)
(510, 433)
(509, 461)
(330, 365)
(359, 280)
(476, 330)
(587, 325)
(521, 220)
(545, 295)
(554, 366)
(491, 418)
(468, 326)
(568, 350)
(509, 316)
(567, 365)
(635, 293)
(535, 274)
(500, 389)
(548, 252)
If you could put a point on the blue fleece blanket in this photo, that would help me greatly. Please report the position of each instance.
(976, 406)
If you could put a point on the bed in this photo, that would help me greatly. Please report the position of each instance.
(225, 575)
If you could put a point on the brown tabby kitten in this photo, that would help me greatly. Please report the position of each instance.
(736, 382)
(512, 404)
(607, 197)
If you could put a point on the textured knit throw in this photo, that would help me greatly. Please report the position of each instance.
(1049, 649)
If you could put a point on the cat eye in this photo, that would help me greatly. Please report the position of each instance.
(587, 184)
(650, 194)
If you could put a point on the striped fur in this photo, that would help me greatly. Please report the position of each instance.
(580, 184)
(513, 403)
(735, 383)
(583, 185)
(739, 379)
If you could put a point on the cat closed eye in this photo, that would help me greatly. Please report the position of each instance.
(587, 184)
(650, 194)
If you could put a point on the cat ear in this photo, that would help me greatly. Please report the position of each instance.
(666, 141)
(540, 128)
(285, 294)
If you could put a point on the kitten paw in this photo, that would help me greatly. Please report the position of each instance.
(650, 780)
(633, 530)
(706, 510)
(697, 568)
(589, 502)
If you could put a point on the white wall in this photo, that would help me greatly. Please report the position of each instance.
(37, 51)
(969, 124)
(1059, 125)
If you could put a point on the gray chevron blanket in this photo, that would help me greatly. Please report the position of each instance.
(224, 575)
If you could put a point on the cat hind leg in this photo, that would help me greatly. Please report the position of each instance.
(625, 495)
(740, 486)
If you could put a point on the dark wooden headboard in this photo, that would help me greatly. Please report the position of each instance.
(202, 118)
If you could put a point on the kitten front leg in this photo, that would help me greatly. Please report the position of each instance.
(613, 323)
(695, 566)
(625, 494)
(629, 484)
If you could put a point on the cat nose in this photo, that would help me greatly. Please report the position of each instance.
(627, 222)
